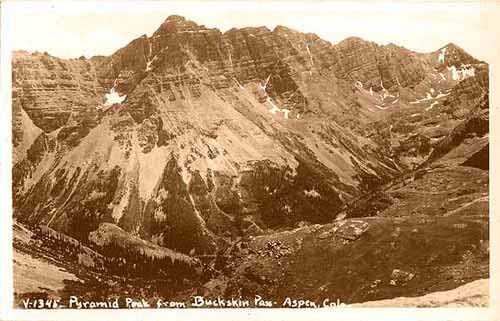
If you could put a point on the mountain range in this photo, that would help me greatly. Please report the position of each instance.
(272, 158)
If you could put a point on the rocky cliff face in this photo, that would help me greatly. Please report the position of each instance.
(193, 137)
(55, 92)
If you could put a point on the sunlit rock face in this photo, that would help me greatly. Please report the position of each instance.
(192, 137)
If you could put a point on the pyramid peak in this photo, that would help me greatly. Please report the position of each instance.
(175, 18)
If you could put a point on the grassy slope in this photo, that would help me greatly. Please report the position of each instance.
(440, 239)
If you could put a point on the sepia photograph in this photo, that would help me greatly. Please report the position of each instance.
(169, 155)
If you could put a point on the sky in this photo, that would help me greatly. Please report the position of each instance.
(71, 29)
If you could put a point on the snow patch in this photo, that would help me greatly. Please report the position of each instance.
(454, 73)
(432, 105)
(149, 62)
(442, 55)
(285, 112)
(239, 84)
(275, 109)
(428, 96)
(385, 92)
(265, 84)
(310, 56)
(113, 97)
(230, 59)
(464, 72)
(312, 193)
(441, 95)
